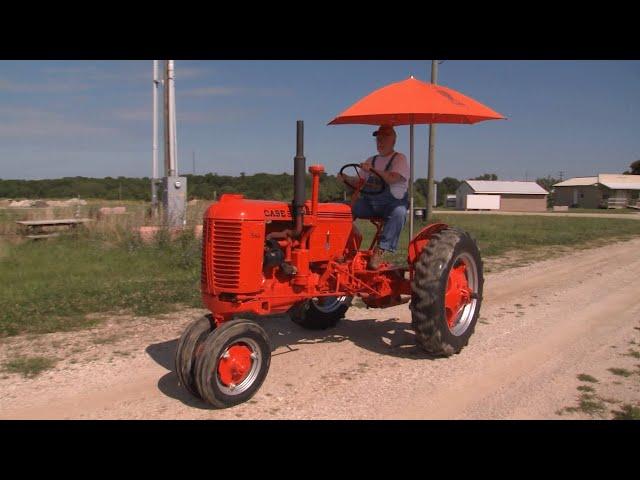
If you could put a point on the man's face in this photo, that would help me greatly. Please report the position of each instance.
(385, 143)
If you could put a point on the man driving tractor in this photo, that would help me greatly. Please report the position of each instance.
(390, 205)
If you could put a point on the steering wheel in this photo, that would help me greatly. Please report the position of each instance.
(376, 189)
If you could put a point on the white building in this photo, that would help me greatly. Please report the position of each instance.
(508, 196)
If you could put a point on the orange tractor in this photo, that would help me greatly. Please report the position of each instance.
(304, 258)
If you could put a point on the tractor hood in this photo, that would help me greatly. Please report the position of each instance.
(236, 207)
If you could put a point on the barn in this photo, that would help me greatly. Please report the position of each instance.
(507, 196)
(607, 190)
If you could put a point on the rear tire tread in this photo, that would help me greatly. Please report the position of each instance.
(429, 283)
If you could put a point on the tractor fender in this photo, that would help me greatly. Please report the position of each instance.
(421, 240)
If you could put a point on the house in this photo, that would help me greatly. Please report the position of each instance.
(507, 196)
(607, 190)
(450, 201)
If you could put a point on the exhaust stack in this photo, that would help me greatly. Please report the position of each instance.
(299, 178)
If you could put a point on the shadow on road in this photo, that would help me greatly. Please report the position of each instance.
(389, 337)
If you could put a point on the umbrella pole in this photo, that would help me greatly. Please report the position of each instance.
(411, 182)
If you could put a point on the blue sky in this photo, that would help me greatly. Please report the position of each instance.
(93, 118)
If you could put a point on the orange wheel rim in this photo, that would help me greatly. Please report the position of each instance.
(235, 364)
(457, 295)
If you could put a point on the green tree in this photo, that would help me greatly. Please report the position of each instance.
(547, 183)
(634, 168)
(486, 176)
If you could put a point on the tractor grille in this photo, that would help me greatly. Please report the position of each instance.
(334, 215)
(226, 254)
(206, 241)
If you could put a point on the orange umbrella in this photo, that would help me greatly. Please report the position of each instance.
(412, 102)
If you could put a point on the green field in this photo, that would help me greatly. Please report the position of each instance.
(498, 234)
(52, 285)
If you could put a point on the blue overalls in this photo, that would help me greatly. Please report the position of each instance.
(385, 206)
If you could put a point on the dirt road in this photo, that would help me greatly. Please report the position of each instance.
(541, 326)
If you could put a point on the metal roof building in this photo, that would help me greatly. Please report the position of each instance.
(607, 190)
(510, 196)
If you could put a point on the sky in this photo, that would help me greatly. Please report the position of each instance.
(93, 118)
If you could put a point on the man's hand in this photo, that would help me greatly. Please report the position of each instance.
(365, 166)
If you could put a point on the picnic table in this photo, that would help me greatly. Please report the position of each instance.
(40, 228)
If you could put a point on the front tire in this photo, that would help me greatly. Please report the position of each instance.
(189, 347)
(320, 314)
(234, 362)
(447, 292)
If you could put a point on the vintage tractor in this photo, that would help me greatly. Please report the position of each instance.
(262, 258)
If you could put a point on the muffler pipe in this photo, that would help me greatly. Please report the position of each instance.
(299, 187)
(299, 178)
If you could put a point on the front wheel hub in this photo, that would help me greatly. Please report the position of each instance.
(235, 364)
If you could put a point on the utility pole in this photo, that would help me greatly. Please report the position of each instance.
(194, 161)
(174, 187)
(432, 141)
(170, 152)
(154, 168)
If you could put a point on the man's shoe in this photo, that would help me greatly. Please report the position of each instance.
(376, 259)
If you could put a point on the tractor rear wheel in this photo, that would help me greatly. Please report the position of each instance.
(446, 292)
(234, 362)
(189, 347)
(320, 314)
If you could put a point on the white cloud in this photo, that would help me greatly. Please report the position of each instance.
(228, 91)
(143, 71)
(216, 116)
(44, 87)
(210, 91)
(30, 122)
(136, 114)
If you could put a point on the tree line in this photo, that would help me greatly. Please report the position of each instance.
(211, 186)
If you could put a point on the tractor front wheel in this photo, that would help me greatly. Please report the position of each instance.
(189, 348)
(321, 313)
(446, 292)
(233, 364)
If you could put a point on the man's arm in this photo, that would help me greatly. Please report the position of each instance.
(390, 176)
(355, 180)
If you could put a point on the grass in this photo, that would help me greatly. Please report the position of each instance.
(107, 340)
(627, 412)
(633, 353)
(622, 372)
(29, 367)
(586, 388)
(498, 234)
(587, 403)
(591, 404)
(52, 286)
(583, 377)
